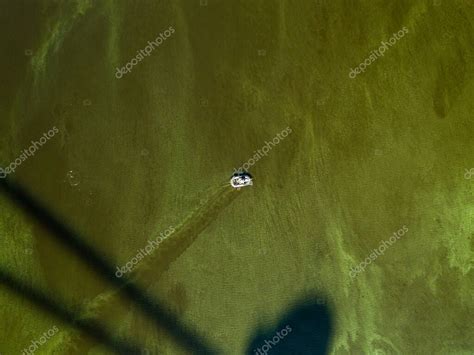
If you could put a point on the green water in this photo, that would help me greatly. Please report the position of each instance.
(135, 155)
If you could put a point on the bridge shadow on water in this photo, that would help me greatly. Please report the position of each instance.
(304, 329)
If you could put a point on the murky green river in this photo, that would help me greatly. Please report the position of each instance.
(153, 104)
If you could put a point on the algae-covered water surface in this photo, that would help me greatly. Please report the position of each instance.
(125, 121)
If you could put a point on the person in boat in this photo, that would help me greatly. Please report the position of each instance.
(241, 179)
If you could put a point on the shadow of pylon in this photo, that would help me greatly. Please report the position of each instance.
(70, 239)
(91, 328)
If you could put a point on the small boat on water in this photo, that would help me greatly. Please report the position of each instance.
(242, 179)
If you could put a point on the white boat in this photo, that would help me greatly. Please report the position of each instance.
(239, 180)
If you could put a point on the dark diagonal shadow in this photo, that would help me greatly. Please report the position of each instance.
(66, 236)
(91, 328)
